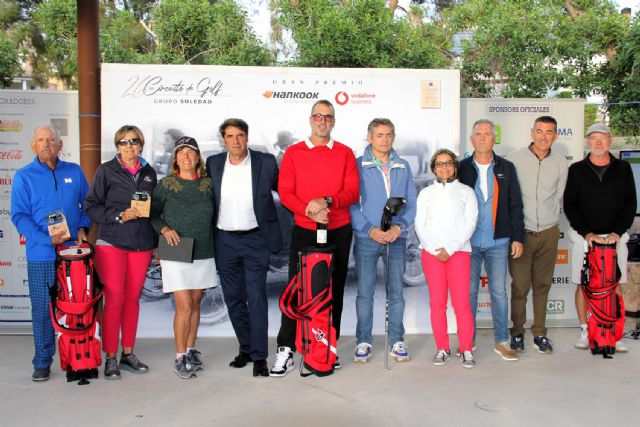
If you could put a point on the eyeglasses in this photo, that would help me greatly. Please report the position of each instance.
(601, 139)
(327, 118)
(448, 163)
(132, 141)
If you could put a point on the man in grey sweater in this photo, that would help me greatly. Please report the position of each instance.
(542, 175)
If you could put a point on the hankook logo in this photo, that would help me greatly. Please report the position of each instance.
(269, 94)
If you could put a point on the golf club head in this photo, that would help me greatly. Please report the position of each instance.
(393, 207)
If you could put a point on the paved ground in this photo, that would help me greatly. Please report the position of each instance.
(568, 388)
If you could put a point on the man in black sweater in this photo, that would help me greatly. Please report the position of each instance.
(600, 203)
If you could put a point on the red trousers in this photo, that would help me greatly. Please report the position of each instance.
(444, 278)
(122, 273)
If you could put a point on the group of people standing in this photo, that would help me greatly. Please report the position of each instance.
(484, 209)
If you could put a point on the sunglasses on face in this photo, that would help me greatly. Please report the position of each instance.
(327, 118)
(439, 165)
(132, 141)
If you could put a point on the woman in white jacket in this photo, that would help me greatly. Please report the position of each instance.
(446, 217)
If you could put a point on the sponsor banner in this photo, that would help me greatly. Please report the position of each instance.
(20, 113)
(168, 101)
(514, 119)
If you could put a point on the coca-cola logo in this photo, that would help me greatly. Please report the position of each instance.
(11, 155)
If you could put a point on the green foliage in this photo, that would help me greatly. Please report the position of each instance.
(525, 48)
(362, 33)
(624, 85)
(9, 64)
(123, 39)
(56, 21)
(590, 116)
(201, 32)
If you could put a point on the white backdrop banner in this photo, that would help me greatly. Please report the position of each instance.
(514, 120)
(20, 113)
(168, 101)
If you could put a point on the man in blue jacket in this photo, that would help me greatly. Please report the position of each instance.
(383, 174)
(43, 189)
(500, 229)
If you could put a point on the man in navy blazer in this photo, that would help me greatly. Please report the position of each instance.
(247, 232)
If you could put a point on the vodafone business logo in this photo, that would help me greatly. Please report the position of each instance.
(341, 98)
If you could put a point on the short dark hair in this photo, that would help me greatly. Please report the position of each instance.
(380, 122)
(323, 102)
(236, 123)
(120, 133)
(546, 119)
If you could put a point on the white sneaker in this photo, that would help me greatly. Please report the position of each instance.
(399, 352)
(363, 351)
(621, 348)
(583, 340)
(283, 363)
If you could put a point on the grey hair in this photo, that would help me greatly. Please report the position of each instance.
(485, 122)
(323, 102)
(380, 122)
(46, 126)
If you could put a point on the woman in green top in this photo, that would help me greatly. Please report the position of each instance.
(182, 206)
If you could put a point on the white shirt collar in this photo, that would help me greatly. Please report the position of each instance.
(244, 162)
(310, 145)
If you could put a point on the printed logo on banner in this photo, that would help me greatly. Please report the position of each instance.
(5, 263)
(11, 155)
(5, 212)
(563, 256)
(555, 306)
(22, 262)
(10, 126)
(484, 284)
(5, 187)
(23, 240)
(341, 98)
(498, 129)
(25, 282)
(269, 94)
(562, 280)
(484, 309)
(355, 98)
(565, 132)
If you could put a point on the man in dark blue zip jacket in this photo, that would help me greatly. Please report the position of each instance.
(500, 229)
(46, 187)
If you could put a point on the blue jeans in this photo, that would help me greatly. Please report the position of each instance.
(495, 263)
(367, 252)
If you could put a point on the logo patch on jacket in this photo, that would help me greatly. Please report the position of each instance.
(68, 180)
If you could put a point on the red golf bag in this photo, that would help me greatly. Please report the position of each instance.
(600, 276)
(74, 312)
(308, 300)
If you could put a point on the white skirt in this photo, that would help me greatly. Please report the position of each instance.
(181, 276)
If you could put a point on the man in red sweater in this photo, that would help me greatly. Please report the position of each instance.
(318, 182)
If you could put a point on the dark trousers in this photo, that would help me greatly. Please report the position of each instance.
(242, 263)
(301, 238)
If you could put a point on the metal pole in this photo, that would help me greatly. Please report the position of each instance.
(89, 86)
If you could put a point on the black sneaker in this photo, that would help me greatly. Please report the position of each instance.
(543, 344)
(129, 362)
(41, 374)
(337, 364)
(517, 343)
(183, 369)
(193, 358)
(111, 370)
(240, 361)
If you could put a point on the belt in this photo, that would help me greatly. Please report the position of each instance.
(533, 233)
(241, 232)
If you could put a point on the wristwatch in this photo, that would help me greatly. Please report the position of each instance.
(329, 200)
(119, 217)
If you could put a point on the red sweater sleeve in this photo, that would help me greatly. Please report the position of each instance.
(287, 185)
(351, 188)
